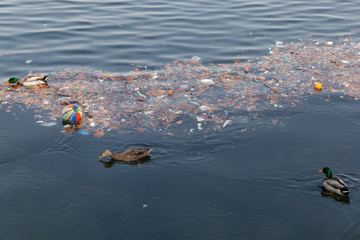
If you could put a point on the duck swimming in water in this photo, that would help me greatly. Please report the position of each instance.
(29, 81)
(334, 185)
(130, 155)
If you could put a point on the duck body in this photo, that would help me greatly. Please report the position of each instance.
(130, 155)
(334, 184)
(29, 81)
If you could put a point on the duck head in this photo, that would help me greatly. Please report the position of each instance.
(13, 81)
(327, 172)
(107, 152)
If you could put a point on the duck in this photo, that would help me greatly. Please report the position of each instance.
(130, 155)
(334, 184)
(29, 81)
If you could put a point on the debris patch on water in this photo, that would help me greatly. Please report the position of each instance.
(206, 97)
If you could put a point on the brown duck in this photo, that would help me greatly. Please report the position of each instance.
(130, 155)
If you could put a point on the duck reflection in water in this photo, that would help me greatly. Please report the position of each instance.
(131, 156)
(336, 197)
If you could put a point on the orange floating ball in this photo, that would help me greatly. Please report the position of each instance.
(318, 86)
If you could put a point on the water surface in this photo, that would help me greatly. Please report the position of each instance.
(116, 35)
(254, 179)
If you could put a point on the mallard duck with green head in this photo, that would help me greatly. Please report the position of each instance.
(334, 184)
(29, 81)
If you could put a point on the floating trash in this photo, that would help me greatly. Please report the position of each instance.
(195, 97)
(46, 124)
(207, 81)
(318, 86)
(226, 123)
(71, 114)
(83, 132)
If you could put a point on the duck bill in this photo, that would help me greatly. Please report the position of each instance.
(7, 84)
(320, 170)
(102, 156)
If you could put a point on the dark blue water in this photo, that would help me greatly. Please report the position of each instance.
(251, 180)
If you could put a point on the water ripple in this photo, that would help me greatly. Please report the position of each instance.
(115, 35)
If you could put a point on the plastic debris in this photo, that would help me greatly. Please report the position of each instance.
(83, 132)
(46, 124)
(200, 119)
(279, 44)
(226, 123)
(318, 86)
(207, 98)
(197, 58)
(207, 81)
(71, 114)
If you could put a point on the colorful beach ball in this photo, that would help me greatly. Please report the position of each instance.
(71, 114)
